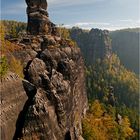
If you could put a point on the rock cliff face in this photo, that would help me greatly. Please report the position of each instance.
(95, 44)
(54, 84)
(13, 99)
(38, 20)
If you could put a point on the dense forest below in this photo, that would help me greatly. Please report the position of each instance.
(112, 87)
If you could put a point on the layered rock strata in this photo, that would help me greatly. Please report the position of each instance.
(13, 98)
(38, 20)
(54, 83)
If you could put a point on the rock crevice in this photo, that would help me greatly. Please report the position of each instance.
(55, 86)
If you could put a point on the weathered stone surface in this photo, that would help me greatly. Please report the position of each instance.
(54, 84)
(13, 99)
(60, 101)
(38, 21)
(39, 4)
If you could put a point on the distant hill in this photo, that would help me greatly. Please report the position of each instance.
(125, 43)
(136, 30)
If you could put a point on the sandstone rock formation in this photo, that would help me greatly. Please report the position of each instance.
(60, 99)
(54, 84)
(13, 99)
(38, 21)
(95, 44)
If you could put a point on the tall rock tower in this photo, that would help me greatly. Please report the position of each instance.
(38, 21)
(53, 101)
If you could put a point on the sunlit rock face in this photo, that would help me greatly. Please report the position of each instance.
(38, 21)
(59, 103)
(54, 99)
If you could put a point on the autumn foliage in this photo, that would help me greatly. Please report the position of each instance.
(101, 125)
(7, 60)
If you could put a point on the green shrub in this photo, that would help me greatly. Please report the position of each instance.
(3, 66)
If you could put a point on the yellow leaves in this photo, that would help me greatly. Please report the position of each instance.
(6, 49)
(88, 130)
(6, 46)
(16, 66)
(2, 31)
(126, 129)
(94, 129)
(96, 109)
(2, 36)
(99, 125)
(72, 43)
(93, 125)
(64, 33)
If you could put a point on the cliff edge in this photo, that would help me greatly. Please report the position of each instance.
(55, 100)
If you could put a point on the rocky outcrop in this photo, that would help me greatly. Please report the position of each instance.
(60, 99)
(95, 44)
(54, 82)
(13, 99)
(38, 21)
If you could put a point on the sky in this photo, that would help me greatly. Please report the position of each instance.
(87, 14)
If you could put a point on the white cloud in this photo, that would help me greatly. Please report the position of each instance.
(68, 26)
(86, 24)
(91, 23)
(103, 25)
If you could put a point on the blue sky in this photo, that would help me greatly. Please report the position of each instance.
(104, 14)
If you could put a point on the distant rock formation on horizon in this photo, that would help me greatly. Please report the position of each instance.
(94, 44)
(97, 44)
